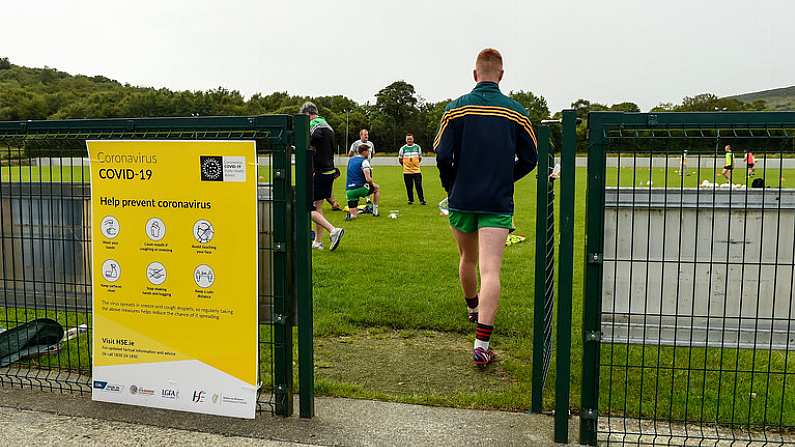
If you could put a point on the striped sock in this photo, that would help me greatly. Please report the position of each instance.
(483, 335)
(472, 303)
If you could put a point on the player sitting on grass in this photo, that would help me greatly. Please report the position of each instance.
(360, 183)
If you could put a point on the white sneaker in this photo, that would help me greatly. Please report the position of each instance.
(317, 245)
(336, 236)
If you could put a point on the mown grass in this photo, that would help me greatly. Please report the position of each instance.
(642, 177)
(45, 174)
(390, 322)
(401, 276)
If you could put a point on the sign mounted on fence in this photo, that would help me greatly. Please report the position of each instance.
(174, 240)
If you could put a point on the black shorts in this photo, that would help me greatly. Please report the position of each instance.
(321, 186)
(729, 167)
(751, 165)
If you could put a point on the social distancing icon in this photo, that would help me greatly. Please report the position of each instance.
(204, 276)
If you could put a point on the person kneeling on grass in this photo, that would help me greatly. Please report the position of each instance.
(360, 183)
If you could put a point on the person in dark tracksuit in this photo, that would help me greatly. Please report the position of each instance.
(321, 141)
(485, 143)
(410, 157)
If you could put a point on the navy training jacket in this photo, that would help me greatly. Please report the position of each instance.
(485, 143)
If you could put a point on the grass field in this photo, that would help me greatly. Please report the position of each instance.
(393, 283)
(390, 294)
(46, 174)
(390, 321)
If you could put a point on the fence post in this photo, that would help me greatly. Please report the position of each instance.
(539, 301)
(568, 155)
(303, 269)
(282, 302)
(592, 290)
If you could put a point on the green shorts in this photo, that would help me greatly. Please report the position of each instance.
(353, 195)
(471, 222)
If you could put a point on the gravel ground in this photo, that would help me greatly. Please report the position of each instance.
(648, 432)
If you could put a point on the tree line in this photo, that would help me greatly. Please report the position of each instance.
(47, 93)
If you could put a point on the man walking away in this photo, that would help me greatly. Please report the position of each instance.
(410, 157)
(485, 143)
(323, 174)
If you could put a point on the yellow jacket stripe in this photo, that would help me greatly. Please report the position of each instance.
(486, 111)
(454, 113)
(519, 119)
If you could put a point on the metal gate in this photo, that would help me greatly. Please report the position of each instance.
(546, 260)
(689, 276)
(45, 238)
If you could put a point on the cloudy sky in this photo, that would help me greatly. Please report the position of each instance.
(607, 51)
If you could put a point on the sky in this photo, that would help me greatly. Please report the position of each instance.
(606, 51)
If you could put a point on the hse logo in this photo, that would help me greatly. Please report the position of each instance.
(102, 385)
(166, 393)
(199, 396)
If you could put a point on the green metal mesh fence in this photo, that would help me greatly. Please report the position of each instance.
(545, 268)
(690, 268)
(45, 239)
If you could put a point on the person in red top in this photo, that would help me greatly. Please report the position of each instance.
(750, 162)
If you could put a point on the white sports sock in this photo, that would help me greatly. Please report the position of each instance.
(481, 344)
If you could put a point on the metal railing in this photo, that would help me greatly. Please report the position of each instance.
(689, 270)
(543, 312)
(547, 257)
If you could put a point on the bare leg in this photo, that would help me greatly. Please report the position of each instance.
(468, 253)
(376, 194)
(491, 247)
(320, 221)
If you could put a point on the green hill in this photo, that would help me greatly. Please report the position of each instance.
(776, 99)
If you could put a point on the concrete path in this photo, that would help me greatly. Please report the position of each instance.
(339, 422)
(40, 429)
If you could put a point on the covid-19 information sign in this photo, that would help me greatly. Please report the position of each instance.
(174, 269)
